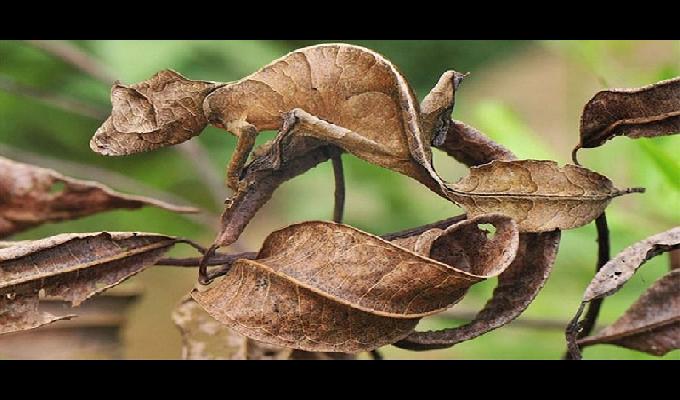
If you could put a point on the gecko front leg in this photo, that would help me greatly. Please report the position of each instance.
(247, 134)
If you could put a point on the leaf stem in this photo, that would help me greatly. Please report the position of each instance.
(339, 175)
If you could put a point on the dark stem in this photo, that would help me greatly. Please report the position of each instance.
(203, 278)
(603, 255)
(339, 175)
(376, 354)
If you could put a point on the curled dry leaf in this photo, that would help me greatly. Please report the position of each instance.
(321, 286)
(204, 338)
(649, 111)
(30, 196)
(517, 287)
(164, 110)
(471, 147)
(615, 273)
(73, 267)
(20, 312)
(539, 195)
(651, 324)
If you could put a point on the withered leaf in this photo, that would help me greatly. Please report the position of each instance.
(321, 286)
(617, 271)
(539, 195)
(20, 312)
(517, 287)
(164, 110)
(30, 196)
(73, 267)
(342, 94)
(471, 147)
(204, 338)
(651, 324)
(259, 182)
(649, 111)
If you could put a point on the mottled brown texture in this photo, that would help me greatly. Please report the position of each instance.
(341, 94)
(164, 110)
(615, 273)
(73, 267)
(652, 110)
(471, 147)
(321, 286)
(517, 287)
(204, 338)
(259, 181)
(20, 312)
(30, 196)
(621, 268)
(539, 195)
(651, 324)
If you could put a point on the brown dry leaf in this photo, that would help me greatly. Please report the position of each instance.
(73, 267)
(321, 286)
(617, 271)
(471, 147)
(30, 196)
(344, 95)
(20, 312)
(539, 195)
(204, 338)
(652, 324)
(164, 110)
(649, 111)
(517, 287)
(259, 182)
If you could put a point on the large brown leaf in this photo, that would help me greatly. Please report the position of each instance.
(517, 287)
(649, 111)
(615, 273)
(204, 338)
(347, 95)
(651, 325)
(73, 267)
(30, 196)
(164, 110)
(539, 195)
(321, 286)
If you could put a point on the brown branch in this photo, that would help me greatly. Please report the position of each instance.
(75, 57)
(339, 176)
(67, 104)
(583, 329)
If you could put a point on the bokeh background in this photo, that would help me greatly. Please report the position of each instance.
(527, 95)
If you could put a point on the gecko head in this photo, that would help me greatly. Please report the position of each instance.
(164, 110)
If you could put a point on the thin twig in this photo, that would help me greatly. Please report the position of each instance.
(75, 57)
(67, 104)
(339, 175)
(584, 328)
(376, 354)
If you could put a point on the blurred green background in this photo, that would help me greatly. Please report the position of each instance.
(527, 95)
